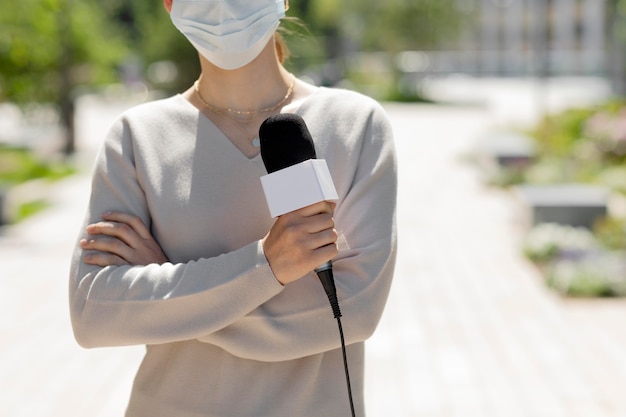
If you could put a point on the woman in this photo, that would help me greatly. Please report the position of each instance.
(179, 252)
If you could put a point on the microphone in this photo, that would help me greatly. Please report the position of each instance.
(296, 178)
(285, 141)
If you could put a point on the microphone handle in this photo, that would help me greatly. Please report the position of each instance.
(324, 267)
(325, 274)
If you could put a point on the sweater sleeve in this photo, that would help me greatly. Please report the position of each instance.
(363, 270)
(152, 304)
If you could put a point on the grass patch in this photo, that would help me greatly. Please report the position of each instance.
(19, 165)
(31, 207)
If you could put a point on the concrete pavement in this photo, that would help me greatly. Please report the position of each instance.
(470, 329)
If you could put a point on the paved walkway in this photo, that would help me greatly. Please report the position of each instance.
(470, 330)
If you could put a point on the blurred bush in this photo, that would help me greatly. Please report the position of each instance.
(18, 165)
(23, 177)
(577, 262)
(49, 46)
(583, 145)
(577, 145)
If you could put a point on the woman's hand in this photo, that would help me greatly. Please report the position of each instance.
(121, 239)
(300, 241)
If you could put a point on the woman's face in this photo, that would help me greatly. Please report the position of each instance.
(229, 33)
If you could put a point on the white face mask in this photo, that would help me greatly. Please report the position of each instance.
(229, 33)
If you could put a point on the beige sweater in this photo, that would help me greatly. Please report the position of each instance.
(224, 338)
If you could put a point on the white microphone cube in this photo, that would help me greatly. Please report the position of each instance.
(298, 186)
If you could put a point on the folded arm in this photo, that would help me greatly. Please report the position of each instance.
(233, 300)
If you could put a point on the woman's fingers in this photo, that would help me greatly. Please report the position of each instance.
(122, 237)
(103, 259)
(118, 249)
(117, 229)
(134, 222)
(105, 244)
(317, 208)
(323, 238)
(312, 226)
(300, 241)
(104, 251)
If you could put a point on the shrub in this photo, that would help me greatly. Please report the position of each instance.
(577, 263)
(548, 241)
(19, 165)
(595, 275)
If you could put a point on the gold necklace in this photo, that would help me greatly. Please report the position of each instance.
(254, 140)
(242, 115)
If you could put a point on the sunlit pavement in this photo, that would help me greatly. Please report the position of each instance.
(469, 330)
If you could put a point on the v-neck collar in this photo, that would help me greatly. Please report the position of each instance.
(202, 118)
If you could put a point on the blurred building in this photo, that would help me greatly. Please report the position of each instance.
(529, 37)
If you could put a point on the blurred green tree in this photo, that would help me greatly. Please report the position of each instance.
(155, 40)
(48, 47)
(390, 29)
(400, 25)
(344, 28)
(41, 41)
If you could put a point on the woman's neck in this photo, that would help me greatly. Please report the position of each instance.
(258, 85)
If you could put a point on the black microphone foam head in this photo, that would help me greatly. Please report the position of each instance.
(285, 141)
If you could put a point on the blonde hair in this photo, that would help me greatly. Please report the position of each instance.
(289, 25)
(281, 48)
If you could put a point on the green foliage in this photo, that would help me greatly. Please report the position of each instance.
(560, 134)
(325, 13)
(397, 25)
(341, 28)
(578, 145)
(611, 233)
(42, 39)
(596, 275)
(581, 145)
(614, 177)
(606, 130)
(577, 262)
(18, 165)
(155, 39)
(557, 134)
(48, 47)
(548, 241)
(30, 208)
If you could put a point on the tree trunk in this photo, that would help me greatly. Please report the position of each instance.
(66, 99)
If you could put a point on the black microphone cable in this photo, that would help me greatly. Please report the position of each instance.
(325, 274)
